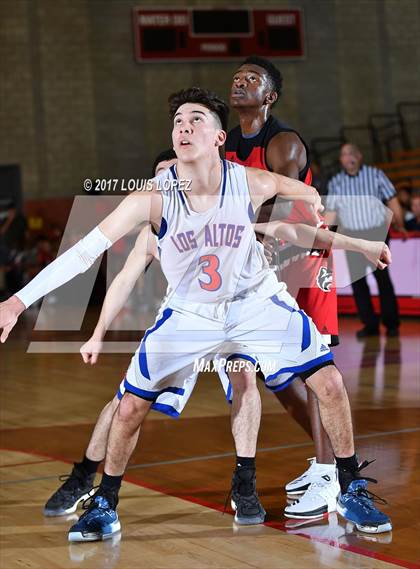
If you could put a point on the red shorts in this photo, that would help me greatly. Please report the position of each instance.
(310, 279)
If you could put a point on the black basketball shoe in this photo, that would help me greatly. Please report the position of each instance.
(244, 498)
(78, 486)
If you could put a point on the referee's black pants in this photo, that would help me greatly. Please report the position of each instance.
(389, 307)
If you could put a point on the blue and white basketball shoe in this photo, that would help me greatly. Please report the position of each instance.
(100, 521)
(356, 506)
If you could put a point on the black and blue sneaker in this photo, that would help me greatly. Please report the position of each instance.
(78, 486)
(100, 521)
(356, 505)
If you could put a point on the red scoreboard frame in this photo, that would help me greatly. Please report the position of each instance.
(200, 34)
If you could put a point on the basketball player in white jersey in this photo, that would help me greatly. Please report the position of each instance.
(223, 299)
(80, 482)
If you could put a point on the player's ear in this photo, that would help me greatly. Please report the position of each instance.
(220, 137)
(271, 98)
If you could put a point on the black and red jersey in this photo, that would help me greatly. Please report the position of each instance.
(309, 275)
(252, 151)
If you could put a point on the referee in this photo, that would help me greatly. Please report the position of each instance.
(357, 194)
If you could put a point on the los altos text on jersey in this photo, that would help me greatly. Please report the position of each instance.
(215, 235)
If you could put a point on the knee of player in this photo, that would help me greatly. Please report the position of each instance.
(243, 381)
(130, 407)
(331, 386)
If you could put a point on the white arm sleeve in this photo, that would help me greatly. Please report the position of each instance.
(74, 261)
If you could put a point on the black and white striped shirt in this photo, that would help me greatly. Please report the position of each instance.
(358, 200)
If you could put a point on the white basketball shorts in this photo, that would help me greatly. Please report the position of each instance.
(270, 334)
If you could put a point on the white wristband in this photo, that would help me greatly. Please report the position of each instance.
(74, 261)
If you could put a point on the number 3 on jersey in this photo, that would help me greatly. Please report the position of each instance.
(210, 265)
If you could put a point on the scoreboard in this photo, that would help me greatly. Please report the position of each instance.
(200, 34)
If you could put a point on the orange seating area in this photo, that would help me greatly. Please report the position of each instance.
(404, 169)
(406, 154)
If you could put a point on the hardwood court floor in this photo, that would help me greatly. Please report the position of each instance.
(180, 473)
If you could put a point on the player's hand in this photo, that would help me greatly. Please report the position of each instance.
(378, 254)
(10, 310)
(314, 206)
(268, 243)
(91, 349)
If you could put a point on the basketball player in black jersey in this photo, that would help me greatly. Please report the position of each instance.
(261, 141)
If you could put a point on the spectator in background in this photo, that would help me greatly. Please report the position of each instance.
(404, 189)
(414, 223)
(351, 195)
(12, 221)
(12, 228)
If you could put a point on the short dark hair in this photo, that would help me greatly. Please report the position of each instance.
(165, 155)
(276, 78)
(353, 144)
(204, 97)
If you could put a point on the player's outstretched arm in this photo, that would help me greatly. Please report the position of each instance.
(142, 254)
(264, 185)
(133, 210)
(308, 237)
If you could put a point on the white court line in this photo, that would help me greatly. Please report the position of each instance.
(222, 455)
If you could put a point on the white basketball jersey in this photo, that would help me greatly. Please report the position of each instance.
(211, 256)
